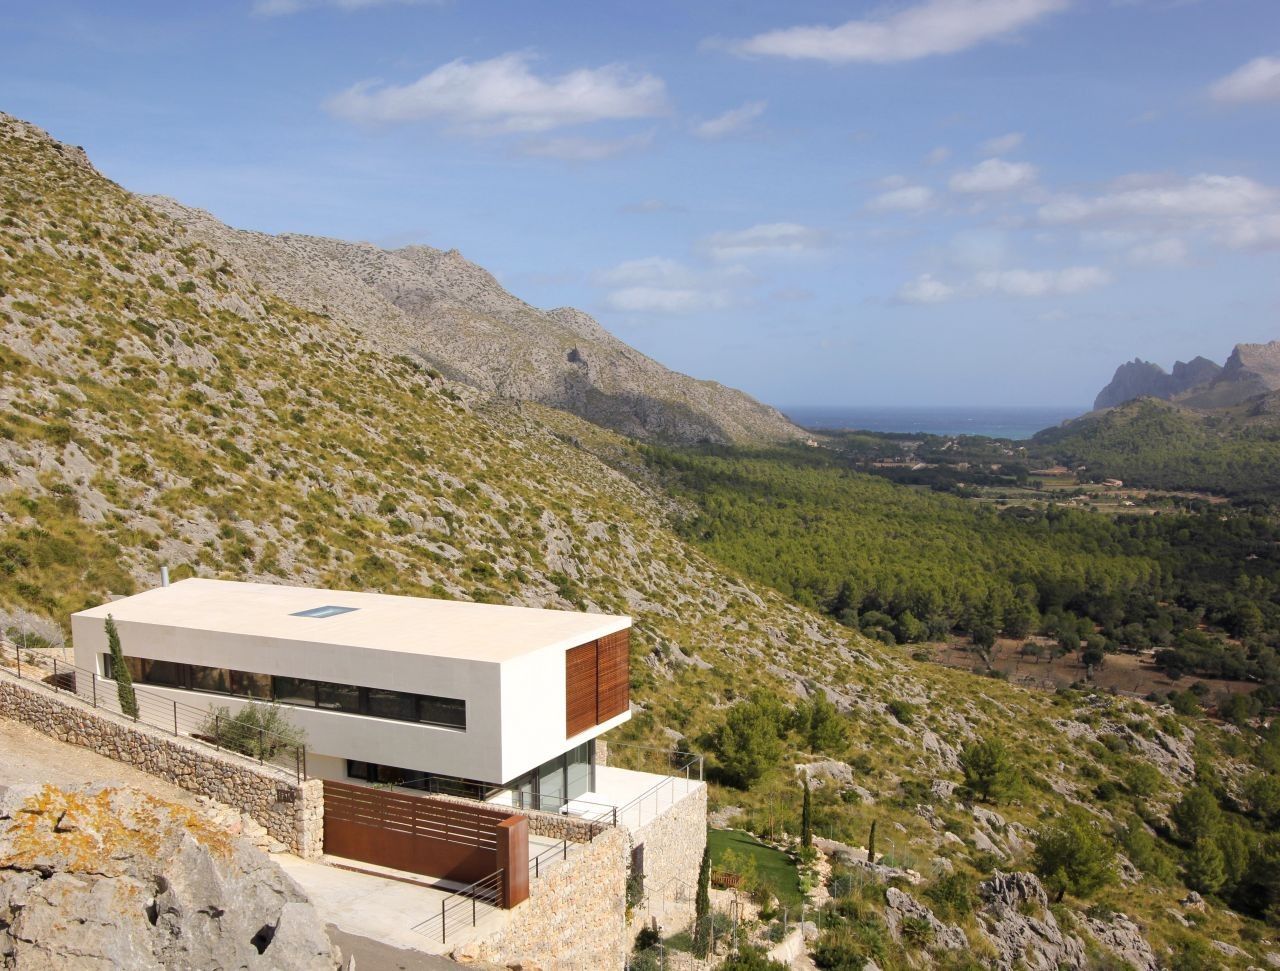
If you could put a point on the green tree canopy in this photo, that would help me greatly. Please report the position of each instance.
(988, 769)
(1073, 855)
(749, 741)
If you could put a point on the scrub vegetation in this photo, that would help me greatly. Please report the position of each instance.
(158, 409)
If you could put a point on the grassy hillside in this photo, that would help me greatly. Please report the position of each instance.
(1164, 446)
(157, 408)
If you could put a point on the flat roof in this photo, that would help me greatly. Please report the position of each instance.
(376, 621)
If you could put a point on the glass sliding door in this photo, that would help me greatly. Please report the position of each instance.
(551, 785)
(578, 771)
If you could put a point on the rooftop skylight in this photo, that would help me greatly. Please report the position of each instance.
(327, 611)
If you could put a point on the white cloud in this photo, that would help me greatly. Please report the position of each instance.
(1002, 144)
(1259, 80)
(766, 239)
(1042, 283)
(504, 95)
(929, 28)
(666, 300)
(994, 175)
(938, 155)
(1202, 197)
(1010, 283)
(1170, 251)
(650, 269)
(907, 198)
(1262, 232)
(926, 289)
(663, 286)
(732, 121)
(571, 148)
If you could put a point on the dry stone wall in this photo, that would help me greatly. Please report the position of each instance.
(673, 845)
(292, 812)
(575, 917)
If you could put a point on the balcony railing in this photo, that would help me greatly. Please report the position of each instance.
(202, 725)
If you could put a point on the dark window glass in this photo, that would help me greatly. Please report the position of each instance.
(165, 673)
(450, 712)
(391, 704)
(339, 697)
(250, 685)
(294, 691)
(210, 679)
(360, 770)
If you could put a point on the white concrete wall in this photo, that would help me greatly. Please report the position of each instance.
(533, 712)
(515, 710)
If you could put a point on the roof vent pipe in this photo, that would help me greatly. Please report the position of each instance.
(164, 576)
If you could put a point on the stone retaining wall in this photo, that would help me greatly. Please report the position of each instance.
(673, 845)
(291, 811)
(575, 917)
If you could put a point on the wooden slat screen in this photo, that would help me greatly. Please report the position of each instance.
(420, 834)
(613, 676)
(580, 689)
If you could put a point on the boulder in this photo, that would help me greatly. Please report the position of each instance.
(111, 878)
(900, 906)
(1015, 916)
(1123, 938)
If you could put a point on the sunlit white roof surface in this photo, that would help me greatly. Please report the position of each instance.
(410, 625)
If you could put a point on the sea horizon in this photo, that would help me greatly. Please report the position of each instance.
(1016, 422)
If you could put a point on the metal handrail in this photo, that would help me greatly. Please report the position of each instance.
(536, 865)
(487, 891)
(169, 715)
(669, 780)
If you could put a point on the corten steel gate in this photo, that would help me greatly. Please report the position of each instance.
(422, 834)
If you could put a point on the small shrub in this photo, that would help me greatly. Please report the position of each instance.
(261, 731)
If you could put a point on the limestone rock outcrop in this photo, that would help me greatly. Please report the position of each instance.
(901, 907)
(1015, 916)
(107, 878)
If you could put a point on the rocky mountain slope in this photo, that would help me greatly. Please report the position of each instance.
(161, 405)
(1251, 370)
(439, 308)
(1143, 379)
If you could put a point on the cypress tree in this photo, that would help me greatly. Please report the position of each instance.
(806, 819)
(871, 844)
(120, 671)
(702, 906)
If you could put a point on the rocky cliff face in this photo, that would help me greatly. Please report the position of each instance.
(109, 878)
(437, 306)
(1143, 379)
(1252, 370)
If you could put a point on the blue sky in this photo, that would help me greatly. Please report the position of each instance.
(898, 203)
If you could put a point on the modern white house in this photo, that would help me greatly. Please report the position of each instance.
(439, 695)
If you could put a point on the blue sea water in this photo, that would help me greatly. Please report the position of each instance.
(1003, 422)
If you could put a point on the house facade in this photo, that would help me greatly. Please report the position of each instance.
(438, 695)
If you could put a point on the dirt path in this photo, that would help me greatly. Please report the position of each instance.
(27, 756)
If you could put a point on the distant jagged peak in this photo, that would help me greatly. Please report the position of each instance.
(1251, 370)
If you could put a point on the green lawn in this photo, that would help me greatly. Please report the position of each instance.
(773, 867)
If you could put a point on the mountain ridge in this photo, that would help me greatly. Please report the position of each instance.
(1250, 371)
(159, 408)
(453, 314)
